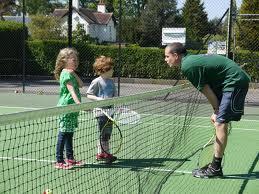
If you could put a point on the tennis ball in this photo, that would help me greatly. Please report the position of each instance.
(47, 191)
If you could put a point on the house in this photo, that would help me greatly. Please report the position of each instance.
(17, 19)
(98, 24)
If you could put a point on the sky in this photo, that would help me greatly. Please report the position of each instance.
(214, 8)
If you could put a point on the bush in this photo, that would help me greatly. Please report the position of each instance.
(249, 61)
(11, 38)
(136, 62)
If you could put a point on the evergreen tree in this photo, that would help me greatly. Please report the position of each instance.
(131, 12)
(155, 16)
(248, 29)
(196, 23)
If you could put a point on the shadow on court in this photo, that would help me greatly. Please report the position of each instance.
(136, 164)
(250, 176)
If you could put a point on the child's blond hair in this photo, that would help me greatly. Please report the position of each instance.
(62, 58)
(102, 64)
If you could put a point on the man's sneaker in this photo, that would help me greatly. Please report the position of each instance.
(106, 157)
(64, 166)
(207, 172)
(75, 162)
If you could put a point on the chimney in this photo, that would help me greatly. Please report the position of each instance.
(101, 6)
(75, 4)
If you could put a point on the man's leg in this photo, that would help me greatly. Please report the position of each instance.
(221, 139)
(220, 144)
(214, 169)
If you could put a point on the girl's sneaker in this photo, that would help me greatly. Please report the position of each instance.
(64, 166)
(74, 162)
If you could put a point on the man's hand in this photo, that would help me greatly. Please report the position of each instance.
(213, 118)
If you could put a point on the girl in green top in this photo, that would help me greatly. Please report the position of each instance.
(66, 64)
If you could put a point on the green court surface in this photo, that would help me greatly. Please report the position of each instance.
(170, 175)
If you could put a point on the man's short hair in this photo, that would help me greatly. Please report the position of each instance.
(177, 47)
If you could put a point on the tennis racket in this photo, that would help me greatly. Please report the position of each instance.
(121, 115)
(115, 117)
(207, 150)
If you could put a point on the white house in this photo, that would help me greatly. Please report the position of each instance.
(98, 24)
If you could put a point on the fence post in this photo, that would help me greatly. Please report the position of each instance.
(119, 51)
(23, 47)
(229, 55)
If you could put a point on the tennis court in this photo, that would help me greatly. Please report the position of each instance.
(157, 155)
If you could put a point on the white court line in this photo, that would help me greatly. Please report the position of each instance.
(88, 163)
(160, 115)
(183, 172)
(122, 166)
(20, 107)
(202, 126)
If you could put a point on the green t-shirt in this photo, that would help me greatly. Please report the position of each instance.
(68, 122)
(220, 73)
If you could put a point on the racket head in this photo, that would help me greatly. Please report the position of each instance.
(115, 140)
(126, 116)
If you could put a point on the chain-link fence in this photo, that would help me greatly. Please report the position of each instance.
(133, 33)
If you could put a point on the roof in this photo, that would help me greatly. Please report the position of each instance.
(91, 16)
(17, 18)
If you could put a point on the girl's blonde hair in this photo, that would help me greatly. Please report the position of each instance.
(62, 58)
(102, 64)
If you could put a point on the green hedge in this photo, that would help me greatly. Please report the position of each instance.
(136, 62)
(11, 39)
(41, 56)
(250, 62)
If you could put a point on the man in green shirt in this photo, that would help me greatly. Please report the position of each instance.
(224, 84)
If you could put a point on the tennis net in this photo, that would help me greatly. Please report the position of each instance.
(152, 149)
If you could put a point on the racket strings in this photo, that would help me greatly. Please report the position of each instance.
(114, 142)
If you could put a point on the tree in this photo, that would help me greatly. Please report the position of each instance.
(134, 8)
(196, 23)
(157, 14)
(80, 36)
(6, 6)
(34, 7)
(45, 28)
(247, 30)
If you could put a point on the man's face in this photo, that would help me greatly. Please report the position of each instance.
(172, 59)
